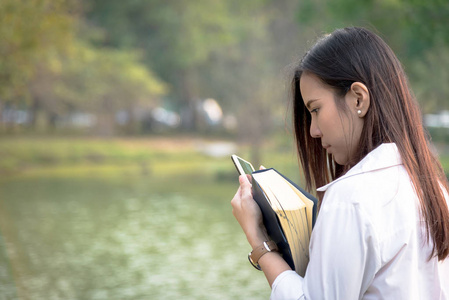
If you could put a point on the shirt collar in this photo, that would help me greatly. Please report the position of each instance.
(384, 156)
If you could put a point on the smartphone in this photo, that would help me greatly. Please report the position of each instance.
(243, 166)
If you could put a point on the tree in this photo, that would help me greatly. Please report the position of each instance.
(233, 51)
(49, 66)
(29, 31)
(98, 80)
(177, 37)
(430, 76)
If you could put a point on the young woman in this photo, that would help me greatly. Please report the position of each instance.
(382, 230)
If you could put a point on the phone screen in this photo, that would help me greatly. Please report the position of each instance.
(243, 166)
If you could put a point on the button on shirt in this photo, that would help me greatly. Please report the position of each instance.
(369, 241)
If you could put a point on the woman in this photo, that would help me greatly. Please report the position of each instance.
(382, 230)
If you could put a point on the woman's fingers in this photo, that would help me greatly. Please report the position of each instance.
(245, 187)
(247, 212)
(243, 201)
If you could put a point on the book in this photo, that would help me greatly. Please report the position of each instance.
(289, 214)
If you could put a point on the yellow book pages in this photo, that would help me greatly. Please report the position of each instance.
(291, 211)
(309, 207)
(293, 223)
(279, 186)
(300, 239)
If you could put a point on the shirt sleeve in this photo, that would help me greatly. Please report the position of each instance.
(344, 257)
(288, 285)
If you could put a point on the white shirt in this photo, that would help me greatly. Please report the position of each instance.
(369, 239)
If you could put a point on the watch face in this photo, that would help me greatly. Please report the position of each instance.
(253, 264)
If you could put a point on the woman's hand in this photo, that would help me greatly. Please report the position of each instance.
(248, 213)
(249, 216)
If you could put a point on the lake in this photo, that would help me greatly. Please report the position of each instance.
(130, 236)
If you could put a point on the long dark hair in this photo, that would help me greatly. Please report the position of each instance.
(358, 55)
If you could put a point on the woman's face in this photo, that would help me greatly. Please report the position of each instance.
(338, 130)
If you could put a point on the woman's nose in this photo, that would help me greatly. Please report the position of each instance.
(315, 131)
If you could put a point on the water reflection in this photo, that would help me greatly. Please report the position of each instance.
(121, 239)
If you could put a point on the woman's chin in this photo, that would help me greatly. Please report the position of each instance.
(340, 159)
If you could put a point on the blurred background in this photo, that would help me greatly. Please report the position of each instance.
(117, 120)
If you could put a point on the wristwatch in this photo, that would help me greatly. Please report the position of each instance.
(259, 251)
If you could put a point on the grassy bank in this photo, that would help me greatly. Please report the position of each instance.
(134, 157)
(19, 155)
(177, 156)
(67, 157)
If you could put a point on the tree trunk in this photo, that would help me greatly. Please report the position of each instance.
(2, 124)
(105, 120)
(34, 110)
(189, 109)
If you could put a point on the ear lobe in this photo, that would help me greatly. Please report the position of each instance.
(362, 103)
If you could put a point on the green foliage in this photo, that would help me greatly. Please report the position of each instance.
(179, 34)
(30, 31)
(47, 65)
(430, 77)
(93, 77)
(102, 56)
(445, 163)
(194, 45)
(411, 27)
(439, 135)
(416, 30)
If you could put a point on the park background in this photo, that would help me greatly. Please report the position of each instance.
(117, 119)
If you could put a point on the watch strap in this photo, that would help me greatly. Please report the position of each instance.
(261, 250)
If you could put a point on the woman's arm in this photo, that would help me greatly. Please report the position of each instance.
(249, 216)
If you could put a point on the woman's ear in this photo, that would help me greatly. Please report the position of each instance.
(360, 99)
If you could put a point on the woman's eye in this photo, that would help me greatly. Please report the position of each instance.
(314, 110)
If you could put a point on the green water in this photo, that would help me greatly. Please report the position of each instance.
(124, 237)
